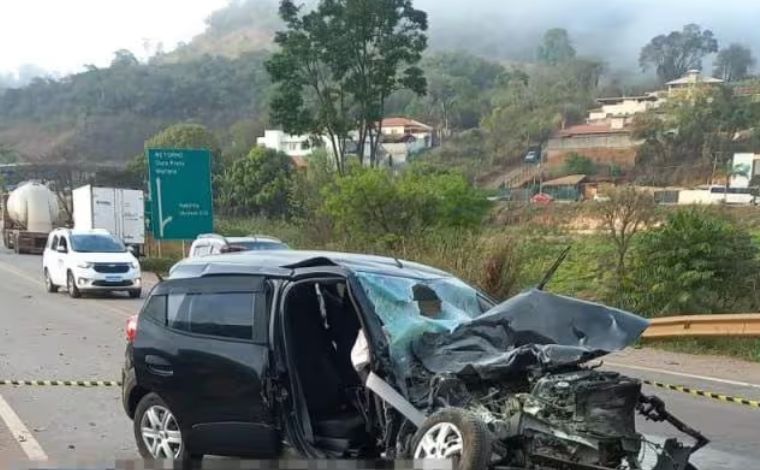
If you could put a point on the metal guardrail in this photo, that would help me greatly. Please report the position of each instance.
(745, 325)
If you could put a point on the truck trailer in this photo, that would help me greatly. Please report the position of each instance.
(120, 211)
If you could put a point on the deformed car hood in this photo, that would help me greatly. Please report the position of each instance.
(534, 329)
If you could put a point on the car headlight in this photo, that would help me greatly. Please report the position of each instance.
(135, 265)
(84, 265)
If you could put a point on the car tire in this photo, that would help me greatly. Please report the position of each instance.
(49, 286)
(157, 433)
(71, 286)
(135, 293)
(453, 433)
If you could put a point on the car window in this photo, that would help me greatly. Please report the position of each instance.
(228, 315)
(62, 244)
(96, 244)
(155, 309)
(54, 243)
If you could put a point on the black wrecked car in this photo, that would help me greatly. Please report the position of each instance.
(247, 354)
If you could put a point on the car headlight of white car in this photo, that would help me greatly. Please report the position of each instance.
(85, 265)
(134, 265)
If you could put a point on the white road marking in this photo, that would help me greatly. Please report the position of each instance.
(20, 433)
(38, 282)
(683, 374)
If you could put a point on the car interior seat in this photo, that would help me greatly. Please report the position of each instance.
(336, 423)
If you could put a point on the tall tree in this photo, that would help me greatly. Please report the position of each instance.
(556, 47)
(179, 136)
(676, 53)
(734, 63)
(339, 63)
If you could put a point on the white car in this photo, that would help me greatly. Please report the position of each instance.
(87, 261)
(213, 244)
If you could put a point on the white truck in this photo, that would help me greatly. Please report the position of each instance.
(120, 211)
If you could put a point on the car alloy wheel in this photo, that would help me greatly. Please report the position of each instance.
(71, 286)
(160, 433)
(442, 441)
(49, 286)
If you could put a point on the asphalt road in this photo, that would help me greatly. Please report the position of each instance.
(50, 336)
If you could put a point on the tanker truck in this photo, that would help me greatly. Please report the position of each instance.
(29, 212)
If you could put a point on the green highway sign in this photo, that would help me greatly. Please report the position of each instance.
(180, 193)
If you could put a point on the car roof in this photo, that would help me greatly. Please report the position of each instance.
(74, 231)
(285, 261)
(255, 238)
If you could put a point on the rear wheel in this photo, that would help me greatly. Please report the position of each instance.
(71, 286)
(157, 431)
(49, 286)
(455, 434)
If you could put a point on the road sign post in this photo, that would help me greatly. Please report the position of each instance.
(180, 193)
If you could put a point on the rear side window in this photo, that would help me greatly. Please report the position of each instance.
(155, 309)
(54, 243)
(226, 315)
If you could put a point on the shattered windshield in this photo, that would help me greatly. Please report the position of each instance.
(409, 307)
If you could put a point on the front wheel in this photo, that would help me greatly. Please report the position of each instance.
(49, 286)
(157, 431)
(455, 434)
(71, 286)
(135, 294)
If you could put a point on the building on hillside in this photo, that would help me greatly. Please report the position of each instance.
(401, 139)
(619, 111)
(399, 126)
(566, 188)
(692, 78)
(604, 144)
(291, 145)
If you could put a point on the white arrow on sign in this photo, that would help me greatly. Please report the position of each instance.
(161, 221)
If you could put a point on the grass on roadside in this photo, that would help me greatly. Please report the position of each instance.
(747, 349)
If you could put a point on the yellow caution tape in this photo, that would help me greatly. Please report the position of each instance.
(63, 383)
(702, 393)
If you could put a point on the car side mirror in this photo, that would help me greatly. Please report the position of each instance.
(132, 249)
(62, 249)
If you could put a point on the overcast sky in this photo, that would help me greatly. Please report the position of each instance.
(63, 35)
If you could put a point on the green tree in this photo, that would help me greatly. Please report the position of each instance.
(695, 126)
(338, 65)
(8, 154)
(674, 54)
(697, 262)
(258, 184)
(556, 47)
(627, 212)
(734, 63)
(124, 58)
(372, 204)
(178, 136)
(579, 165)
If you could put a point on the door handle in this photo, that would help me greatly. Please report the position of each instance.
(159, 366)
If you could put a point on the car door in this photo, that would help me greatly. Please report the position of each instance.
(207, 357)
(59, 256)
(49, 255)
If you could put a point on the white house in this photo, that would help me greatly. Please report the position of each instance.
(401, 137)
(622, 109)
(291, 145)
(692, 78)
(400, 126)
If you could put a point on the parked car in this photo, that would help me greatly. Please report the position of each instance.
(235, 354)
(532, 157)
(213, 244)
(88, 261)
